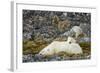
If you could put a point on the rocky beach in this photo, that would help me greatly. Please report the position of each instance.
(40, 28)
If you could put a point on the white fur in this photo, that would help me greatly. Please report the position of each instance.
(70, 46)
(77, 31)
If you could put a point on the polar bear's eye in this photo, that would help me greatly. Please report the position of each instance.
(70, 42)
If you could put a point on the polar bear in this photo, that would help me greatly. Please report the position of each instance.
(70, 46)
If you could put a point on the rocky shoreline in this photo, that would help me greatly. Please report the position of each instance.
(40, 28)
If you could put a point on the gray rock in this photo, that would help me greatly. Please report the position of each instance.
(86, 27)
(85, 39)
(27, 58)
(58, 58)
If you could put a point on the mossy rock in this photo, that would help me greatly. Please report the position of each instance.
(85, 45)
(29, 51)
(32, 47)
(64, 54)
(27, 45)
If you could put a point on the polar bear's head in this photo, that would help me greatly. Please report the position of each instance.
(46, 51)
(71, 40)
